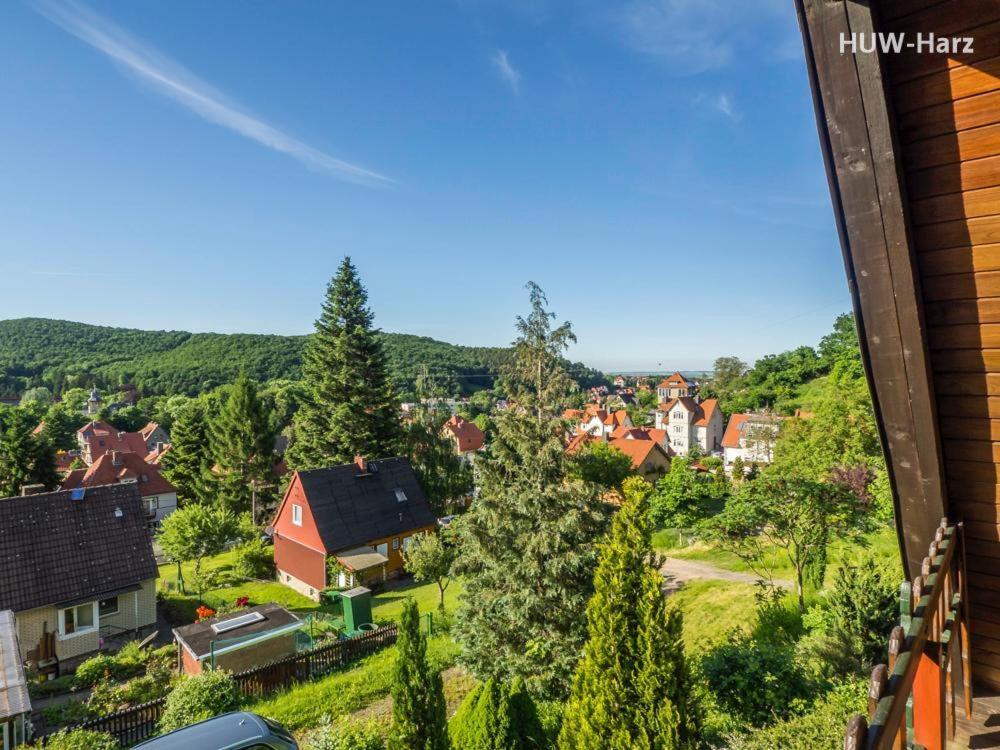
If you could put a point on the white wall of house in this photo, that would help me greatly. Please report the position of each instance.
(160, 506)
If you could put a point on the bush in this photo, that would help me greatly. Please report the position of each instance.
(495, 716)
(200, 697)
(253, 560)
(80, 739)
(108, 697)
(347, 736)
(131, 660)
(759, 681)
(95, 669)
(821, 728)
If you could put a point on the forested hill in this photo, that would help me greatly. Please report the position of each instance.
(61, 354)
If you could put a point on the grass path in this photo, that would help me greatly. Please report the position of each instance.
(676, 572)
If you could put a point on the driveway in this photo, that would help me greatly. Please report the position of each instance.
(676, 572)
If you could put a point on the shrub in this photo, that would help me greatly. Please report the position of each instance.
(108, 697)
(820, 728)
(95, 669)
(80, 739)
(253, 560)
(199, 697)
(495, 716)
(758, 681)
(347, 736)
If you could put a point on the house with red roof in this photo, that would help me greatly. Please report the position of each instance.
(466, 435)
(97, 438)
(650, 458)
(689, 421)
(115, 467)
(154, 435)
(750, 437)
(600, 422)
(675, 386)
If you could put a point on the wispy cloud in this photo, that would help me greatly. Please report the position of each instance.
(175, 82)
(506, 70)
(696, 36)
(721, 103)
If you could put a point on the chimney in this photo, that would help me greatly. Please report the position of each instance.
(362, 465)
(32, 489)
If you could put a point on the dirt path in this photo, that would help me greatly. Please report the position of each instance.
(676, 572)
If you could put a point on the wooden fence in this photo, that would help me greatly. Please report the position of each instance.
(135, 724)
(911, 701)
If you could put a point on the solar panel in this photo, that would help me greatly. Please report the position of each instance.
(78, 493)
(237, 622)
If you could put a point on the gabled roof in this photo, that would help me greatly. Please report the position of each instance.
(579, 441)
(703, 411)
(468, 434)
(616, 418)
(638, 450)
(102, 437)
(55, 550)
(148, 430)
(351, 508)
(733, 431)
(675, 381)
(114, 467)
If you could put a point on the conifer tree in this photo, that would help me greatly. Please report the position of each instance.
(528, 542)
(187, 465)
(497, 716)
(632, 688)
(242, 440)
(25, 458)
(418, 707)
(350, 407)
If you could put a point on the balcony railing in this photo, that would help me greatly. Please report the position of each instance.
(911, 701)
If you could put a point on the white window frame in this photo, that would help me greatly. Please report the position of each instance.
(296, 514)
(395, 542)
(79, 631)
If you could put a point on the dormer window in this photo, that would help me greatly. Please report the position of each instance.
(297, 514)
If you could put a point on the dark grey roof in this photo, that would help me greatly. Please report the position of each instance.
(57, 550)
(198, 636)
(352, 509)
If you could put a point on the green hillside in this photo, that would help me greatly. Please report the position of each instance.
(60, 354)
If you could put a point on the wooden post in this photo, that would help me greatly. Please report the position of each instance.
(876, 687)
(897, 639)
(963, 595)
(857, 731)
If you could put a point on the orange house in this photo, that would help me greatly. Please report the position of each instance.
(362, 514)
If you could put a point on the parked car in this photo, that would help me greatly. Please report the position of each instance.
(239, 730)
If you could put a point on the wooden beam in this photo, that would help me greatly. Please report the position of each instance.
(859, 143)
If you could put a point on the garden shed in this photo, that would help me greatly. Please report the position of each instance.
(240, 640)
(15, 704)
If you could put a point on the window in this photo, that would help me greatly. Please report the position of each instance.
(108, 607)
(407, 541)
(382, 549)
(79, 619)
(678, 415)
(297, 514)
(400, 495)
(395, 542)
(152, 504)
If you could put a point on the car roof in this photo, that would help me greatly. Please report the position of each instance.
(217, 733)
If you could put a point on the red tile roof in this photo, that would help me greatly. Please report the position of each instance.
(468, 435)
(675, 381)
(616, 418)
(702, 411)
(115, 467)
(102, 437)
(148, 430)
(733, 431)
(638, 450)
(154, 456)
(579, 441)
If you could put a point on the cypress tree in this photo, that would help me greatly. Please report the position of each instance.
(350, 407)
(187, 465)
(418, 707)
(497, 716)
(528, 543)
(632, 689)
(242, 440)
(25, 458)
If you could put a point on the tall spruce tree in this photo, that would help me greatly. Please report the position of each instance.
(188, 463)
(632, 689)
(527, 545)
(497, 716)
(242, 440)
(25, 458)
(418, 708)
(350, 407)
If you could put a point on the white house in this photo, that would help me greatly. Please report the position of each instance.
(750, 437)
(599, 422)
(691, 422)
(675, 386)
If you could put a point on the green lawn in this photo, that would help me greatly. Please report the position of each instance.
(307, 705)
(882, 542)
(387, 604)
(711, 609)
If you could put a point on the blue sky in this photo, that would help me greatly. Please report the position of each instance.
(652, 164)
